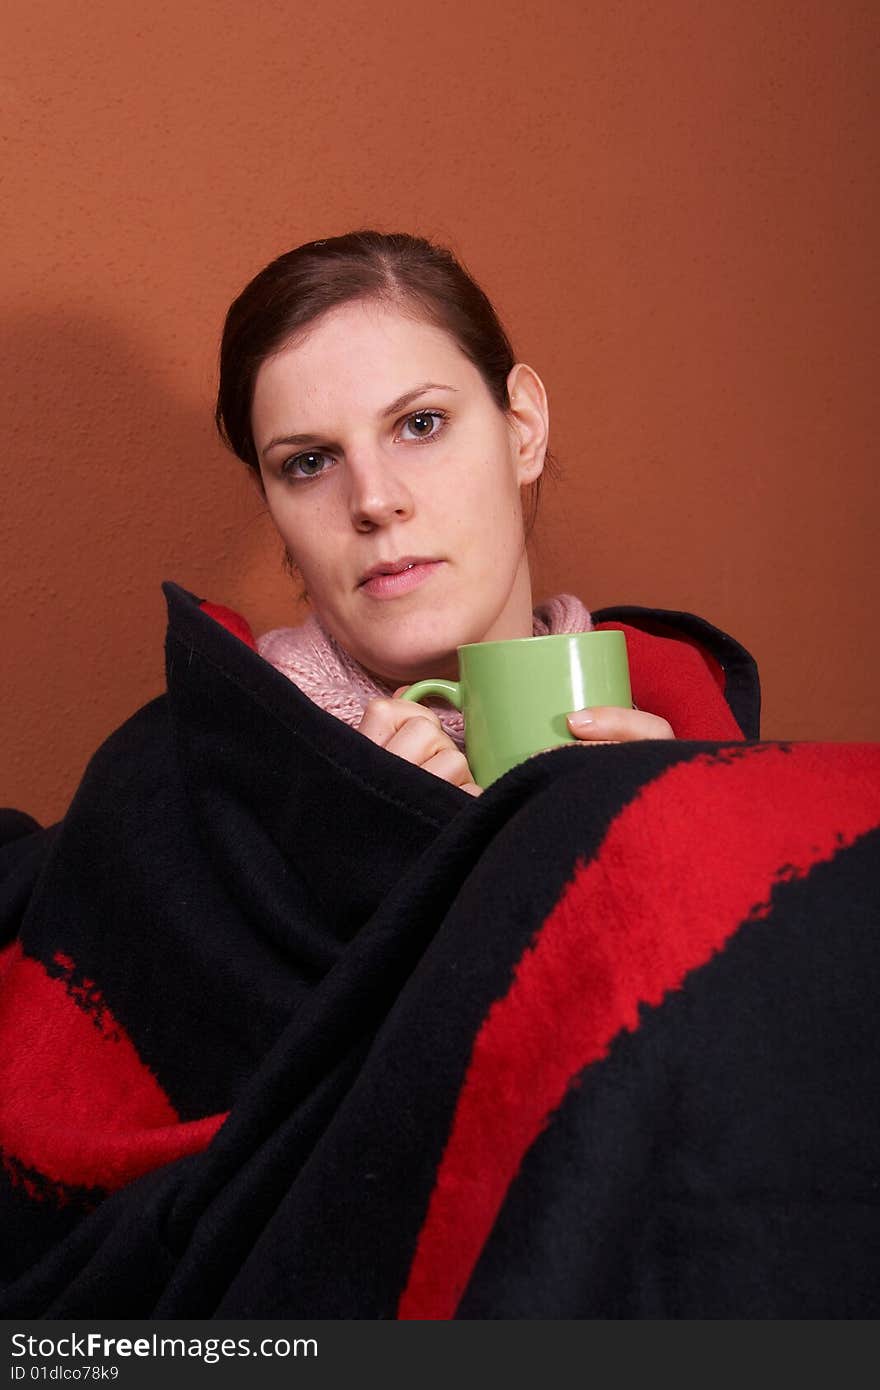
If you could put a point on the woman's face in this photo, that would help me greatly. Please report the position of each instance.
(381, 449)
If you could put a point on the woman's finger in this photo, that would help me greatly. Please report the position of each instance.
(383, 718)
(450, 764)
(610, 724)
(414, 733)
(417, 740)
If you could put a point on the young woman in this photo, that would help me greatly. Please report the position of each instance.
(283, 1019)
(368, 384)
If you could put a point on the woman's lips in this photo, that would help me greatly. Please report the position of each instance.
(391, 585)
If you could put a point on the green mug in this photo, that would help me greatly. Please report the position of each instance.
(515, 695)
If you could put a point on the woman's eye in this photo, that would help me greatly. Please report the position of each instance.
(424, 424)
(305, 465)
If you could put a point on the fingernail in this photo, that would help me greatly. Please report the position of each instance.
(580, 719)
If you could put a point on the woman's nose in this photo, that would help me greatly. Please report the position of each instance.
(378, 494)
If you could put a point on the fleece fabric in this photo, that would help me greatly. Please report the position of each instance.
(289, 1027)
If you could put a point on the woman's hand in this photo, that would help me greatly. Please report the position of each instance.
(415, 733)
(609, 724)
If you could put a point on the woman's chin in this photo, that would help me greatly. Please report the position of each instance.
(409, 652)
(396, 668)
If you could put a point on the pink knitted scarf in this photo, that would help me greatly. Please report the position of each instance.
(324, 671)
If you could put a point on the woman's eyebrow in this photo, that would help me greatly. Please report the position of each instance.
(403, 401)
(400, 404)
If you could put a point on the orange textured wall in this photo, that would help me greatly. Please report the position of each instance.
(674, 207)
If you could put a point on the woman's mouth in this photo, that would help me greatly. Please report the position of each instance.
(400, 580)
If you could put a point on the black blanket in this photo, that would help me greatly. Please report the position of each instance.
(289, 1027)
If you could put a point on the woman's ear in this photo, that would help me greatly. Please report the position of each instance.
(529, 417)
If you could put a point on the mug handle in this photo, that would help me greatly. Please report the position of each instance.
(441, 690)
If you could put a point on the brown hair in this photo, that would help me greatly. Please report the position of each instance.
(297, 288)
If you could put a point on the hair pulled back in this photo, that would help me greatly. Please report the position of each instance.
(293, 291)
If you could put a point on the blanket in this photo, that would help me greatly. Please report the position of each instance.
(289, 1027)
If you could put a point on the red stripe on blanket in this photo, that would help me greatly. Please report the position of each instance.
(669, 678)
(695, 855)
(77, 1104)
(232, 621)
